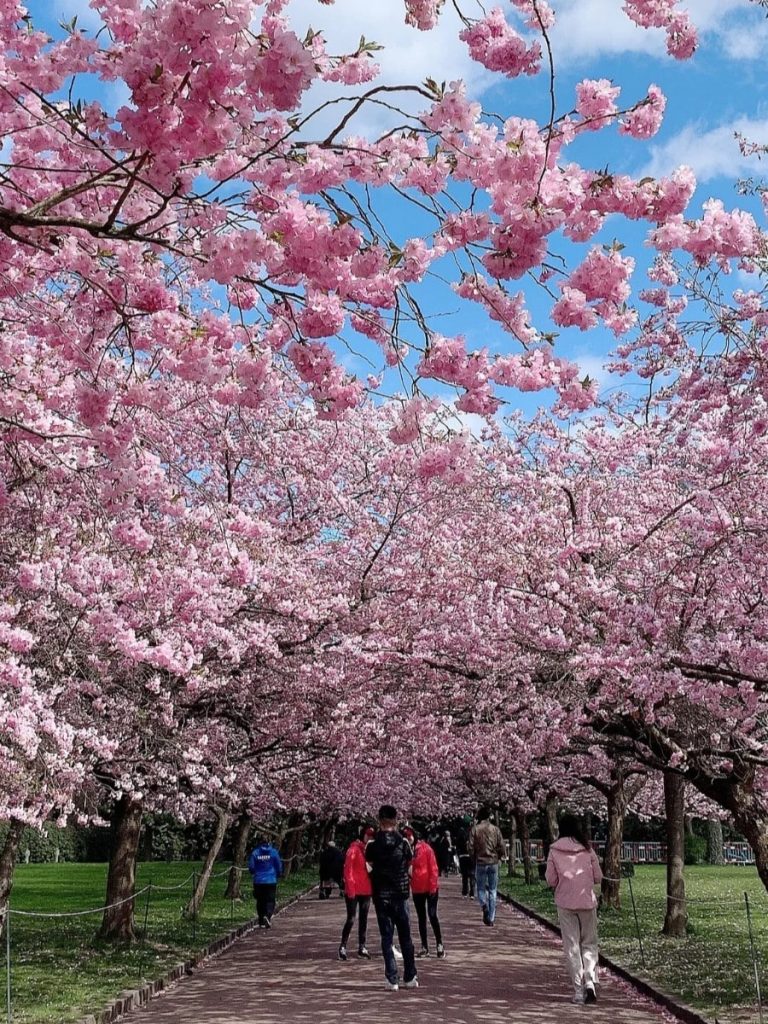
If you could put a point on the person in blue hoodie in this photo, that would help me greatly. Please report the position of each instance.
(265, 867)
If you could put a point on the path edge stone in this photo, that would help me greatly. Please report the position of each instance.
(670, 1003)
(132, 999)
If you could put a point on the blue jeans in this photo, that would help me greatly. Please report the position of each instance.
(487, 876)
(391, 914)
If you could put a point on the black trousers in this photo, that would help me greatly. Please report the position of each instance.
(326, 886)
(467, 875)
(426, 905)
(392, 915)
(265, 893)
(356, 905)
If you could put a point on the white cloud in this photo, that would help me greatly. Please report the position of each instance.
(746, 42)
(750, 280)
(65, 10)
(466, 422)
(709, 15)
(710, 152)
(593, 366)
(408, 57)
(591, 28)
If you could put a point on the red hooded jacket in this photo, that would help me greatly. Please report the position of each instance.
(424, 874)
(357, 879)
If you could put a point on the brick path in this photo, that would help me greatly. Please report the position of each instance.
(290, 975)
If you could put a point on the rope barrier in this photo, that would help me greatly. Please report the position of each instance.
(79, 913)
(172, 888)
(681, 899)
(146, 890)
(139, 892)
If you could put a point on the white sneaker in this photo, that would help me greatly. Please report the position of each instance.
(578, 998)
(398, 955)
(413, 983)
(391, 986)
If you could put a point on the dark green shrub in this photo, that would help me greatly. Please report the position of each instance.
(695, 850)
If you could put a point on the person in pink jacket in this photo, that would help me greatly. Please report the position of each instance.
(573, 871)
(357, 892)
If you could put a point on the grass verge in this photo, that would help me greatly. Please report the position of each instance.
(711, 969)
(60, 972)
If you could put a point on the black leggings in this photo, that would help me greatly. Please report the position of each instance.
(364, 904)
(426, 904)
(265, 900)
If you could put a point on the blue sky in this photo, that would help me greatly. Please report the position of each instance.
(721, 90)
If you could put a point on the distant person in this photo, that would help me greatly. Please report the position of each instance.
(572, 871)
(425, 886)
(331, 870)
(265, 867)
(466, 859)
(389, 857)
(445, 853)
(357, 892)
(488, 849)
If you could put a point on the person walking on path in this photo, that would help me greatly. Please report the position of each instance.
(389, 857)
(573, 871)
(425, 886)
(466, 861)
(487, 844)
(445, 853)
(265, 867)
(357, 892)
(331, 868)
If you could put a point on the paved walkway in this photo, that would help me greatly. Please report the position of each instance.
(290, 975)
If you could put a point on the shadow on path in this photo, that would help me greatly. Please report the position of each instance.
(290, 975)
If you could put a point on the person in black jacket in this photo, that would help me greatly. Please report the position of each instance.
(331, 870)
(389, 858)
(445, 851)
(466, 859)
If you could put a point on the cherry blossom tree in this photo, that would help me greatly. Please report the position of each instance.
(228, 562)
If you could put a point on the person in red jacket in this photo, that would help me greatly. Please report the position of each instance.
(425, 884)
(357, 892)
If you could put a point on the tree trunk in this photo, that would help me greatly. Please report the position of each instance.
(715, 853)
(147, 841)
(222, 824)
(588, 825)
(610, 889)
(315, 836)
(755, 831)
(750, 817)
(738, 795)
(292, 844)
(550, 822)
(525, 844)
(117, 923)
(674, 805)
(512, 862)
(239, 856)
(307, 849)
(8, 857)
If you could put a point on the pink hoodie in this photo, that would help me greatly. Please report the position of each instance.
(572, 871)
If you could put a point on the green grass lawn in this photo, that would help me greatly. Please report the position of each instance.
(60, 973)
(712, 967)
